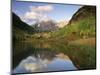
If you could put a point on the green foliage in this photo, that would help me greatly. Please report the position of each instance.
(20, 29)
(83, 56)
(63, 40)
(80, 29)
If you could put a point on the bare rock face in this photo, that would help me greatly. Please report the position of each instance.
(47, 26)
(61, 24)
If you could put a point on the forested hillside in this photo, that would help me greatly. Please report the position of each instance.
(81, 25)
(20, 29)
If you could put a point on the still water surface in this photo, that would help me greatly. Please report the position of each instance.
(40, 58)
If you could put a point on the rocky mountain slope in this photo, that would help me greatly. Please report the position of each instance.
(49, 25)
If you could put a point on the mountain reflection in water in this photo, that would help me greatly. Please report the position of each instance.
(33, 64)
(31, 58)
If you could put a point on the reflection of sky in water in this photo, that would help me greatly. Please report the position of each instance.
(32, 64)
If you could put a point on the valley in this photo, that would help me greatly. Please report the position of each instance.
(76, 39)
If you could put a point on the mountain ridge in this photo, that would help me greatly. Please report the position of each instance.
(82, 25)
(82, 13)
(20, 29)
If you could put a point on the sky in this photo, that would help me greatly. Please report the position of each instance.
(31, 12)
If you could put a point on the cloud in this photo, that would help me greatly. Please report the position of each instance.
(37, 13)
(45, 18)
(16, 11)
(46, 8)
(32, 15)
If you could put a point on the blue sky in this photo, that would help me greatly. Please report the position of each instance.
(59, 12)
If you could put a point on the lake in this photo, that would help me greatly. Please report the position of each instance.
(30, 57)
